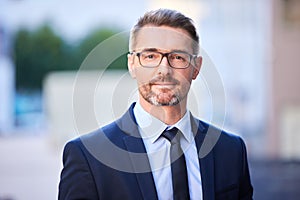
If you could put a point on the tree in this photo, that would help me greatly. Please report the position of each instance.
(36, 54)
(95, 38)
(41, 51)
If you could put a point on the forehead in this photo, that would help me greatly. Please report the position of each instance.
(164, 38)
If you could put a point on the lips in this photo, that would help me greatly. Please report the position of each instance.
(167, 81)
(163, 86)
(164, 83)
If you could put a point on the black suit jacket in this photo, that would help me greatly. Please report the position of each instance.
(111, 163)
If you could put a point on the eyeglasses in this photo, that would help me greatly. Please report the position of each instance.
(152, 59)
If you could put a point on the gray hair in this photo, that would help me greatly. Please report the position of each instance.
(165, 17)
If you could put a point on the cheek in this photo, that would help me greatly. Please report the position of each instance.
(185, 77)
(143, 75)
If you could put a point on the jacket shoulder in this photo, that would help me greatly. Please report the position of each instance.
(221, 139)
(228, 150)
(110, 131)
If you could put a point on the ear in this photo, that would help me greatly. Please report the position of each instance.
(197, 67)
(130, 65)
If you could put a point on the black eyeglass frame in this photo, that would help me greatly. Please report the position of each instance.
(191, 56)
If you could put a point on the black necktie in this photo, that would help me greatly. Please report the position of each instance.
(178, 165)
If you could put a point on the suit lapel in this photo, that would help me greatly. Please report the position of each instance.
(206, 162)
(139, 159)
(138, 156)
(141, 167)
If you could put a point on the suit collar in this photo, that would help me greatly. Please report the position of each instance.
(141, 166)
(137, 154)
(202, 138)
(127, 123)
(140, 162)
(151, 127)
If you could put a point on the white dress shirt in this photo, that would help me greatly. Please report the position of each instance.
(158, 149)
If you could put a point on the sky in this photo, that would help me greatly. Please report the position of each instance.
(71, 18)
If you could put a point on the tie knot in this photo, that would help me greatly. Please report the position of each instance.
(172, 135)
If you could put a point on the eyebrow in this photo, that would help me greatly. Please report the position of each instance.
(150, 49)
(156, 50)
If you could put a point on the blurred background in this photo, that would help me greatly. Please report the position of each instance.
(254, 45)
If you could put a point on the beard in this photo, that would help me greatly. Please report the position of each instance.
(164, 98)
(161, 96)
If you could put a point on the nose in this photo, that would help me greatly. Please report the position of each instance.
(164, 67)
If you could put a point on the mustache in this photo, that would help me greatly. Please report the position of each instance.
(163, 79)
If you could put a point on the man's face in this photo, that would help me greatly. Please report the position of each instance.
(163, 85)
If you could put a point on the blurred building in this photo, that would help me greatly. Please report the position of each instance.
(284, 102)
(80, 102)
(6, 85)
(235, 34)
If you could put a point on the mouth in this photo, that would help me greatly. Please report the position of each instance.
(164, 84)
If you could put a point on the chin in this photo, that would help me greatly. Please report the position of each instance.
(156, 102)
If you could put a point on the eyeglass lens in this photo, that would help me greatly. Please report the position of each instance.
(175, 59)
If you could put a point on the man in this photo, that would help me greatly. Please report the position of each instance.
(153, 150)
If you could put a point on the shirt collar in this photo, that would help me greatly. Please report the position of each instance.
(151, 127)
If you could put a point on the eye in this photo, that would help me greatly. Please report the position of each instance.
(179, 57)
(149, 56)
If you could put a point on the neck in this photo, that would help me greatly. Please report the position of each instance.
(167, 114)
